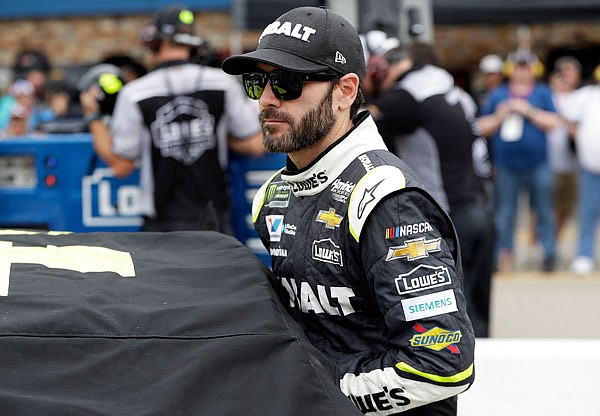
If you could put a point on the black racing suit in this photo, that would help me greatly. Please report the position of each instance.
(369, 264)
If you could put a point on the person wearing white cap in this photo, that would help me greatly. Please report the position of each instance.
(490, 67)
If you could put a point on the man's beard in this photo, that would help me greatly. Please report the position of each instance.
(315, 125)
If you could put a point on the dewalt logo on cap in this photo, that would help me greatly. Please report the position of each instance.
(297, 31)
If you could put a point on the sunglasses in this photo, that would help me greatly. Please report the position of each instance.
(286, 85)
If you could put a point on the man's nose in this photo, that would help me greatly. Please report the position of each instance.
(268, 98)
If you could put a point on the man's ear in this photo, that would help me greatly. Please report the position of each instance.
(347, 88)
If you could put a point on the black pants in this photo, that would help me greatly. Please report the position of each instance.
(446, 407)
(210, 219)
(474, 223)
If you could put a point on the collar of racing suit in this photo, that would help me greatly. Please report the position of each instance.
(318, 175)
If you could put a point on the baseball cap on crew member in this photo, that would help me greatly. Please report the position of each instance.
(522, 57)
(172, 22)
(305, 40)
(491, 64)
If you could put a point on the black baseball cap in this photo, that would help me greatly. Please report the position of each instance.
(305, 40)
(174, 22)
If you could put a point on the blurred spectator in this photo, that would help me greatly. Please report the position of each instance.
(587, 132)
(130, 68)
(19, 108)
(516, 118)
(34, 66)
(375, 44)
(426, 120)
(17, 126)
(491, 69)
(564, 80)
(178, 120)
(31, 70)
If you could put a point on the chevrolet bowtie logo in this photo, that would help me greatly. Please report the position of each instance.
(414, 249)
(329, 218)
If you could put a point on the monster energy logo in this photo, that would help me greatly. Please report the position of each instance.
(278, 195)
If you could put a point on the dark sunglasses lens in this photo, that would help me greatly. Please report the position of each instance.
(254, 84)
(286, 85)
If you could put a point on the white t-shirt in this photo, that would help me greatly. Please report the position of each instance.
(561, 157)
(588, 129)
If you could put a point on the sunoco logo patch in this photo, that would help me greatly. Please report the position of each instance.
(436, 339)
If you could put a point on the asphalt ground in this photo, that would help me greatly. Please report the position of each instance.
(528, 303)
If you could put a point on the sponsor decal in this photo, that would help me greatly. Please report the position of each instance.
(81, 259)
(289, 229)
(289, 29)
(327, 251)
(423, 277)
(414, 249)
(340, 190)
(184, 129)
(311, 183)
(278, 252)
(367, 198)
(406, 230)
(366, 162)
(110, 202)
(436, 339)
(278, 195)
(275, 226)
(318, 299)
(339, 58)
(381, 401)
(329, 218)
(426, 306)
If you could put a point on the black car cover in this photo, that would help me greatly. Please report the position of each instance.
(181, 323)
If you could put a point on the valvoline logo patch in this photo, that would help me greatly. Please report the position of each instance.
(275, 225)
(436, 339)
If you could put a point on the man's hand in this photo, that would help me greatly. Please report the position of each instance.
(89, 103)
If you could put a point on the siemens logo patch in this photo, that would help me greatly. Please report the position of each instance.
(423, 277)
(429, 305)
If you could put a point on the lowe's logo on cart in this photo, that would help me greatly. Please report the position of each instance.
(110, 202)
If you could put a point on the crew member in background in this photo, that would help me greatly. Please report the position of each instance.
(492, 75)
(178, 121)
(428, 122)
(586, 130)
(363, 257)
(564, 81)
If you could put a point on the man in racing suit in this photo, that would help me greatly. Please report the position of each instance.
(363, 257)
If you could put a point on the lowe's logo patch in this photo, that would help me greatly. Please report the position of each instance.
(327, 251)
(423, 277)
